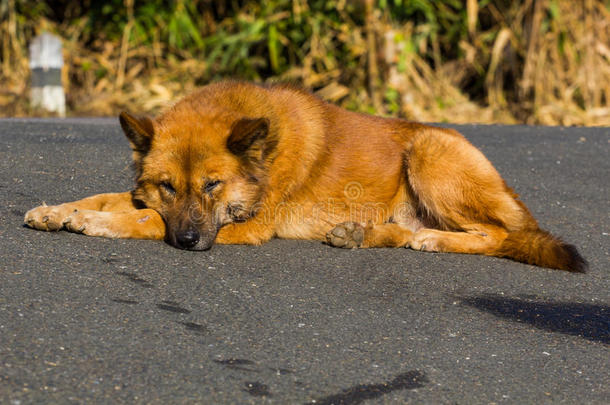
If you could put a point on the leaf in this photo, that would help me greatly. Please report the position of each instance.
(273, 45)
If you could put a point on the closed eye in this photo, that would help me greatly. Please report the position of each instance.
(211, 185)
(167, 186)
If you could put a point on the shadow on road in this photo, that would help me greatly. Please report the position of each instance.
(588, 321)
(360, 393)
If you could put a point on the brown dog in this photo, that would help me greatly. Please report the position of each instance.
(238, 163)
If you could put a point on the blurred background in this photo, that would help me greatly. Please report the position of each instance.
(503, 61)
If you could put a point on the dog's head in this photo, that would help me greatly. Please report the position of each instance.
(199, 172)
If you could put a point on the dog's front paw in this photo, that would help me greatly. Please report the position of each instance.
(346, 235)
(47, 218)
(92, 223)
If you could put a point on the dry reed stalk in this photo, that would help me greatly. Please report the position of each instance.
(472, 12)
(373, 70)
(125, 44)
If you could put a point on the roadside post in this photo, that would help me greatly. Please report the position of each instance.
(46, 61)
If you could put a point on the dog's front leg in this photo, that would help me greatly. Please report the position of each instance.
(52, 217)
(111, 215)
(250, 232)
(135, 224)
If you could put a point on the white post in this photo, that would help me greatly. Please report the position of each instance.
(46, 61)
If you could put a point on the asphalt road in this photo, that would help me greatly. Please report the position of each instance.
(124, 321)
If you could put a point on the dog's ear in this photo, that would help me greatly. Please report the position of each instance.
(138, 130)
(248, 135)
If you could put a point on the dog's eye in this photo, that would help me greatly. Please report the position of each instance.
(211, 185)
(167, 186)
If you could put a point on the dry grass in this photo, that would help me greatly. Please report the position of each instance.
(536, 62)
(559, 68)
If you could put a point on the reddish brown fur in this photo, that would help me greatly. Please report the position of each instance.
(241, 163)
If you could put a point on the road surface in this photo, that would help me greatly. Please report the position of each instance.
(86, 320)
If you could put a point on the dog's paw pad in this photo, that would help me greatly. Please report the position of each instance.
(346, 235)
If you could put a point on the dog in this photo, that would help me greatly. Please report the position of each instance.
(241, 163)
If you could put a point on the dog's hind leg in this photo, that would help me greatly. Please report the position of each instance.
(460, 193)
(473, 211)
(477, 239)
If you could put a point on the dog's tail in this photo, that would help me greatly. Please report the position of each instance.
(540, 248)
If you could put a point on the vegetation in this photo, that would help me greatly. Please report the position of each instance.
(531, 61)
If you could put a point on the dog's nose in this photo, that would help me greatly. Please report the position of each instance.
(187, 239)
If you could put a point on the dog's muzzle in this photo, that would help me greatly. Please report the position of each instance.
(192, 239)
(187, 239)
